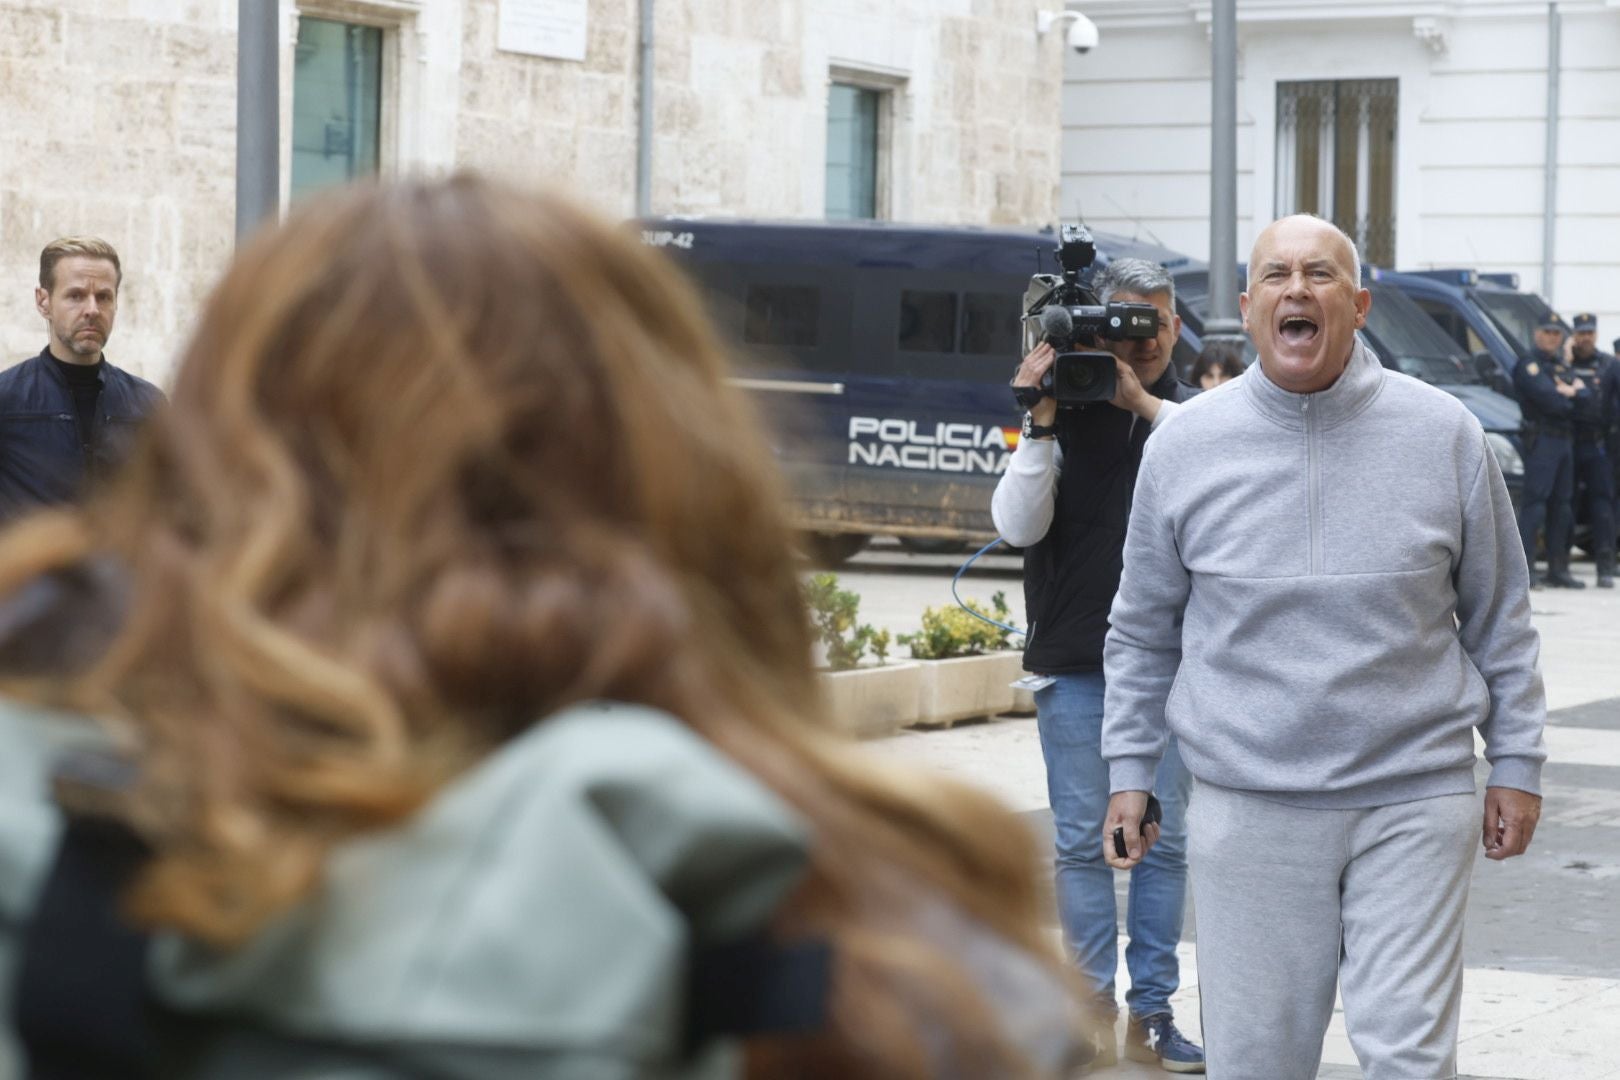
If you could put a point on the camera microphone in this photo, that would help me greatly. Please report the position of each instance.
(1057, 325)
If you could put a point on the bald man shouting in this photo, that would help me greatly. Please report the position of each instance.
(1323, 613)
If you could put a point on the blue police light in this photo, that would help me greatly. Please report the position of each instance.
(1451, 276)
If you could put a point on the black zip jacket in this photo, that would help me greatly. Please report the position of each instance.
(42, 460)
(1071, 575)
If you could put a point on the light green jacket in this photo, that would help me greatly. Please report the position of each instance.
(534, 920)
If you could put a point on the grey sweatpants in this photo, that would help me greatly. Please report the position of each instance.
(1290, 901)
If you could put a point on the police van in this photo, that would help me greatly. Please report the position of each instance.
(1485, 314)
(880, 356)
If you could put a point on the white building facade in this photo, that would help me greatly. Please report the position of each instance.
(1421, 127)
(120, 120)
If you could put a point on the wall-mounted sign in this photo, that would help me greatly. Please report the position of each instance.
(543, 28)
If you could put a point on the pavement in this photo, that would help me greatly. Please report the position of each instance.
(1542, 943)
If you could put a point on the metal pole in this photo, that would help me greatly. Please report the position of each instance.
(1223, 319)
(258, 114)
(1549, 212)
(644, 134)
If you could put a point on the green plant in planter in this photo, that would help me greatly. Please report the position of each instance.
(832, 615)
(950, 632)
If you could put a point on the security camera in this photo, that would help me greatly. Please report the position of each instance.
(1082, 35)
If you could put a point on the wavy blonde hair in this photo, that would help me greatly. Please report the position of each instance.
(441, 459)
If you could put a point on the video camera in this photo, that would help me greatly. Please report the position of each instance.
(1065, 314)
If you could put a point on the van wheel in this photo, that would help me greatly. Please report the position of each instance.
(931, 545)
(832, 549)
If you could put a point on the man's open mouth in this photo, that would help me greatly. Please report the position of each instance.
(1296, 329)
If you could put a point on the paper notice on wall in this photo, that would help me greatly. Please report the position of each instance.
(543, 28)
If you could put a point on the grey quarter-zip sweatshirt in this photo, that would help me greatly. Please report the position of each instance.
(1327, 601)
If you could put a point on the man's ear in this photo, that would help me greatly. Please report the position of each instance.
(1363, 305)
(42, 301)
(1243, 308)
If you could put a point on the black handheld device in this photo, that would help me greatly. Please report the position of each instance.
(1153, 815)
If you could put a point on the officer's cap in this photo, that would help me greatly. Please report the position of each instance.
(1553, 322)
(1586, 321)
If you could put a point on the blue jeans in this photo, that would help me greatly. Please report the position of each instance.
(1069, 713)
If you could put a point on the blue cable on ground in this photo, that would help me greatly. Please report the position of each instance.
(978, 615)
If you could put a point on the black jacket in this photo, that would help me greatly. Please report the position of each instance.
(1071, 575)
(1544, 410)
(41, 459)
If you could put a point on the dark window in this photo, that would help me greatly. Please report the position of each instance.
(1455, 326)
(1411, 343)
(1516, 314)
(927, 321)
(990, 324)
(782, 315)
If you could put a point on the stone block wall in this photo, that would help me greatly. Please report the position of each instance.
(120, 121)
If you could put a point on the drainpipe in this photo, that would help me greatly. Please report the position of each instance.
(1223, 322)
(258, 114)
(1549, 219)
(644, 119)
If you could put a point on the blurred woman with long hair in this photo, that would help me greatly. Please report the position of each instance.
(461, 666)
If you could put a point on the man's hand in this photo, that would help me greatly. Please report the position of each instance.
(1510, 821)
(1125, 810)
(1569, 389)
(1030, 373)
(1130, 396)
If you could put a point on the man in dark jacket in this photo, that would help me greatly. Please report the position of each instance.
(67, 416)
(1066, 498)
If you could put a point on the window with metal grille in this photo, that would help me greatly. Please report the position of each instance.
(1336, 158)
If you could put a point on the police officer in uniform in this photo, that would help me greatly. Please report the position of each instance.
(1547, 392)
(1595, 419)
(1614, 432)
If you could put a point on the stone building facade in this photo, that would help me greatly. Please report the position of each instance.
(120, 121)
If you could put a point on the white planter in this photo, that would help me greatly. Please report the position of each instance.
(867, 702)
(967, 687)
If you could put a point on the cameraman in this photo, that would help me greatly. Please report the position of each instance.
(1065, 499)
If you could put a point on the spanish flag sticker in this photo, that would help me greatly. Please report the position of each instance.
(1011, 435)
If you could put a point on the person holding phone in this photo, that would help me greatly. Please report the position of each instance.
(1322, 616)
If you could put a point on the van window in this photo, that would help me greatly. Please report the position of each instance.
(1516, 314)
(990, 324)
(927, 321)
(1453, 323)
(782, 315)
(1411, 342)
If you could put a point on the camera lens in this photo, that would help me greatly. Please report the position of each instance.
(1080, 379)
(1084, 377)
